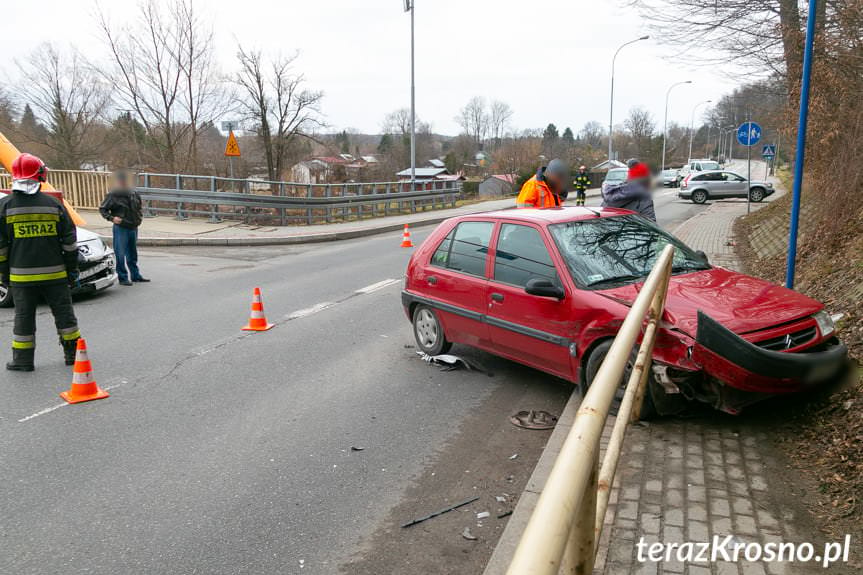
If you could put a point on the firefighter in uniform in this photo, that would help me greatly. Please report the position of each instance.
(38, 261)
(546, 189)
(582, 182)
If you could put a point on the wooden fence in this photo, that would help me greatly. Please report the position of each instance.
(81, 189)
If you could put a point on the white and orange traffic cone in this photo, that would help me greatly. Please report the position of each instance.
(84, 387)
(257, 320)
(406, 238)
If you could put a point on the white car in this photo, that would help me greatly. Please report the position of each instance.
(96, 267)
(693, 166)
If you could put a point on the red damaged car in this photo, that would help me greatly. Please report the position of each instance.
(549, 288)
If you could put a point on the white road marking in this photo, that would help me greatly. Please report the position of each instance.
(50, 409)
(310, 310)
(376, 286)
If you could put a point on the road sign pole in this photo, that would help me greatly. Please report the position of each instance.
(749, 163)
(800, 153)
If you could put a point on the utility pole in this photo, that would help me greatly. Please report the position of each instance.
(665, 122)
(611, 100)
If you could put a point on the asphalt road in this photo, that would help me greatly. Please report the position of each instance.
(221, 451)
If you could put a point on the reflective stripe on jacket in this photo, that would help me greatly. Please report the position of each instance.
(38, 242)
(582, 182)
(536, 194)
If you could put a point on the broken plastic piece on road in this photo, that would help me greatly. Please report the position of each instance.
(504, 514)
(355, 448)
(468, 535)
(441, 512)
(448, 362)
(483, 515)
(500, 498)
(514, 456)
(534, 420)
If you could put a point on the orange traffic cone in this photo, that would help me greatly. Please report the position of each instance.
(84, 387)
(257, 321)
(406, 238)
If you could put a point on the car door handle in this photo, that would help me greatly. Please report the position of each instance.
(432, 280)
(497, 296)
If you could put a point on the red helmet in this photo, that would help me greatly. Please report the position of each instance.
(29, 167)
(638, 171)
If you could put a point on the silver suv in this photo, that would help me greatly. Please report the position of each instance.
(718, 184)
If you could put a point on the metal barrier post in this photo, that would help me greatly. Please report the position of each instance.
(214, 207)
(578, 557)
(328, 192)
(282, 212)
(148, 212)
(180, 215)
(310, 218)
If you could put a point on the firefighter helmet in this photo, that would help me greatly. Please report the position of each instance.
(29, 167)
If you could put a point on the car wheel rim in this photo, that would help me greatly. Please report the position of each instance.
(426, 328)
(756, 196)
(699, 197)
(4, 292)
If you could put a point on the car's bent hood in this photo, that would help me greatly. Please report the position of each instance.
(740, 302)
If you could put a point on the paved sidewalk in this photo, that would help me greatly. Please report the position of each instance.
(167, 230)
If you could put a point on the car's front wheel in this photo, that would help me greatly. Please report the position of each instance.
(6, 296)
(428, 331)
(699, 196)
(595, 361)
(756, 195)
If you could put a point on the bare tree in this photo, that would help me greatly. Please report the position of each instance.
(499, 116)
(282, 110)
(69, 98)
(398, 122)
(163, 72)
(592, 133)
(474, 120)
(640, 126)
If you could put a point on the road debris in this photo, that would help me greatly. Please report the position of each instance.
(500, 498)
(449, 362)
(468, 535)
(505, 514)
(483, 515)
(534, 419)
(355, 448)
(513, 456)
(441, 512)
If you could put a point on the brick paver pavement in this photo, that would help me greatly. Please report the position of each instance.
(690, 480)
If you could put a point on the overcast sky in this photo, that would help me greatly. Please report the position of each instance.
(549, 60)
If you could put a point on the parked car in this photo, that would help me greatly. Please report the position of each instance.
(614, 176)
(669, 178)
(694, 166)
(96, 267)
(720, 184)
(549, 288)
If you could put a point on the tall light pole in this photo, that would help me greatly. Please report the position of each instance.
(611, 102)
(692, 122)
(409, 7)
(665, 122)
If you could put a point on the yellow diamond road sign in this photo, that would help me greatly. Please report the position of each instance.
(232, 148)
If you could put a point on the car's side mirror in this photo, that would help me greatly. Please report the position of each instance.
(702, 256)
(543, 287)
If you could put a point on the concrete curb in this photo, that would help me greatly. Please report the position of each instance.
(505, 548)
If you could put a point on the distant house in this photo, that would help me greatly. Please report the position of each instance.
(436, 163)
(607, 165)
(424, 174)
(497, 185)
(327, 169)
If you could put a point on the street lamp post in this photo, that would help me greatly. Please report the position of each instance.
(665, 122)
(611, 100)
(409, 7)
(692, 122)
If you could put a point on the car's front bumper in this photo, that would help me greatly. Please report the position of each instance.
(745, 366)
(96, 277)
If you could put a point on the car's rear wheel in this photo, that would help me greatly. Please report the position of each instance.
(756, 195)
(699, 196)
(595, 360)
(428, 331)
(6, 296)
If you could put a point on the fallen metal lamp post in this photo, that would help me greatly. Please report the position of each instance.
(562, 534)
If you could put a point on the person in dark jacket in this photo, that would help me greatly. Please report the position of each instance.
(633, 194)
(38, 261)
(122, 207)
(582, 182)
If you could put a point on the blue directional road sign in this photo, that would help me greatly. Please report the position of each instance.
(768, 151)
(748, 133)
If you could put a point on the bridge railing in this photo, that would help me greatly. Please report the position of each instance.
(82, 189)
(284, 203)
(562, 533)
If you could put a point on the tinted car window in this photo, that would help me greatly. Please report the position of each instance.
(465, 248)
(620, 249)
(521, 255)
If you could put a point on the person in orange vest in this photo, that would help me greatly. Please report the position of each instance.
(547, 189)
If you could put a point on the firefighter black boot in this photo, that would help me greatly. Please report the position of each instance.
(22, 360)
(69, 347)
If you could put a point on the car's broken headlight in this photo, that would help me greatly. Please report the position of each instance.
(825, 323)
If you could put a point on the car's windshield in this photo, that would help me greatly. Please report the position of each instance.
(709, 166)
(615, 175)
(668, 172)
(603, 252)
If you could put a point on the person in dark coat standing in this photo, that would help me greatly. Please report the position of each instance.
(633, 194)
(122, 207)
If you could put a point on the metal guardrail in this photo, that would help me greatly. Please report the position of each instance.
(286, 202)
(566, 524)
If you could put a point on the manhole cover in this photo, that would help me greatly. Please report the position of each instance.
(534, 419)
